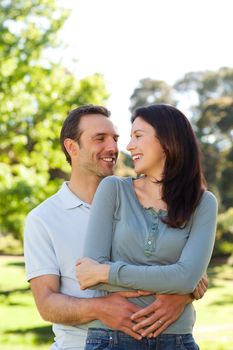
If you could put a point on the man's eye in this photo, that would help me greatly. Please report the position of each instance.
(100, 138)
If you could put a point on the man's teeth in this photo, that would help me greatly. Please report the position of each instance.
(109, 159)
(137, 156)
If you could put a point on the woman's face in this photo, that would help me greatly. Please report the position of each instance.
(147, 153)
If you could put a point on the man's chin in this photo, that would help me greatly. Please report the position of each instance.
(107, 172)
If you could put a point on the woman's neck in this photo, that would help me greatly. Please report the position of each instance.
(149, 193)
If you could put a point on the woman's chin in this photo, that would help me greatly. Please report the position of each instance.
(138, 170)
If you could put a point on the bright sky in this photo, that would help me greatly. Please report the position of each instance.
(127, 40)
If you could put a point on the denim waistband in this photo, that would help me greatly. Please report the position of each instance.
(114, 336)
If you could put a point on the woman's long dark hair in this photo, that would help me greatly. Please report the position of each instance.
(182, 182)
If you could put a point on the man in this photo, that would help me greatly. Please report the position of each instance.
(55, 234)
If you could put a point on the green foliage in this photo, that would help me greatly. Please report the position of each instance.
(224, 238)
(213, 113)
(124, 165)
(10, 245)
(35, 96)
(151, 91)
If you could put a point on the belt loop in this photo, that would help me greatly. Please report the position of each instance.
(115, 338)
(178, 340)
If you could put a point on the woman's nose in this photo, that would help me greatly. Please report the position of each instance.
(130, 145)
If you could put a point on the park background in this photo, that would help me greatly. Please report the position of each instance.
(56, 55)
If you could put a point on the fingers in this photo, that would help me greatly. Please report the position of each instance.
(205, 281)
(143, 312)
(196, 293)
(145, 293)
(157, 327)
(205, 277)
(81, 260)
(145, 322)
(131, 294)
(131, 333)
(85, 260)
(161, 328)
(200, 289)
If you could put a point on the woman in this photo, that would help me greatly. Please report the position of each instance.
(155, 233)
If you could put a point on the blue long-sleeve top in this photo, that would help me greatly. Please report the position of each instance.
(144, 252)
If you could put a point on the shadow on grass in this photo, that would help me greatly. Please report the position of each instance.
(8, 293)
(225, 299)
(16, 303)
(16, 263)
(217, 276)
(40, 335)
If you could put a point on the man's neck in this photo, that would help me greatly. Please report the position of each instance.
(84, 187)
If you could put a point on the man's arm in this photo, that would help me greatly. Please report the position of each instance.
(59, 308)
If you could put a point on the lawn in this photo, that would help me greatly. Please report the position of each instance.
(21, 327)
(214, 326)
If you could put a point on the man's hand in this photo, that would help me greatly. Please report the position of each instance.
(160, 314)
(115, 311)
(201, 288)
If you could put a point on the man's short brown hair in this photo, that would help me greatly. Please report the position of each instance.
(70, 128)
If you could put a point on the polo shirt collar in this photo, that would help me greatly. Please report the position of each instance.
(69, 199)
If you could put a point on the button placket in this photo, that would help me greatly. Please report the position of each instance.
(150, 239)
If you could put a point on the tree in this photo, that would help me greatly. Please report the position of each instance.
(151, 91)
(224, 239)
(125, 165)
(35, 96)
(213, 115)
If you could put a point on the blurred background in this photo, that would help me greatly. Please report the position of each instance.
(56, 55)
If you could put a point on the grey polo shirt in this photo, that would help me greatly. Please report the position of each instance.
(54, 239)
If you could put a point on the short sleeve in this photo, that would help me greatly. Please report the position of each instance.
(40, 257)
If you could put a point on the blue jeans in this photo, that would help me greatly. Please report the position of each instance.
(107, 339)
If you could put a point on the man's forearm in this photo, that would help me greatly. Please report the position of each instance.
(56, 307)
(59, 308)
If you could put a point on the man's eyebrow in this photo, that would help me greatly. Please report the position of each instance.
(104, 134)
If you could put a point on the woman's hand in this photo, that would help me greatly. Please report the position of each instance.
(89, 272)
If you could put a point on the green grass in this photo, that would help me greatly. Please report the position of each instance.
(214, 326)
(21, 327)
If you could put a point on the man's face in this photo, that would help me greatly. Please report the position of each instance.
(98, 149)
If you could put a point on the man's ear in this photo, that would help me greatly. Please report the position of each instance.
(71, 147)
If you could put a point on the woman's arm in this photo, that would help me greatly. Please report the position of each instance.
(99, 236)
(181, 277)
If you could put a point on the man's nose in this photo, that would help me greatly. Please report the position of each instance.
(112, 146)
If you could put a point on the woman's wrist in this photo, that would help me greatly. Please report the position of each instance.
(104, 272)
